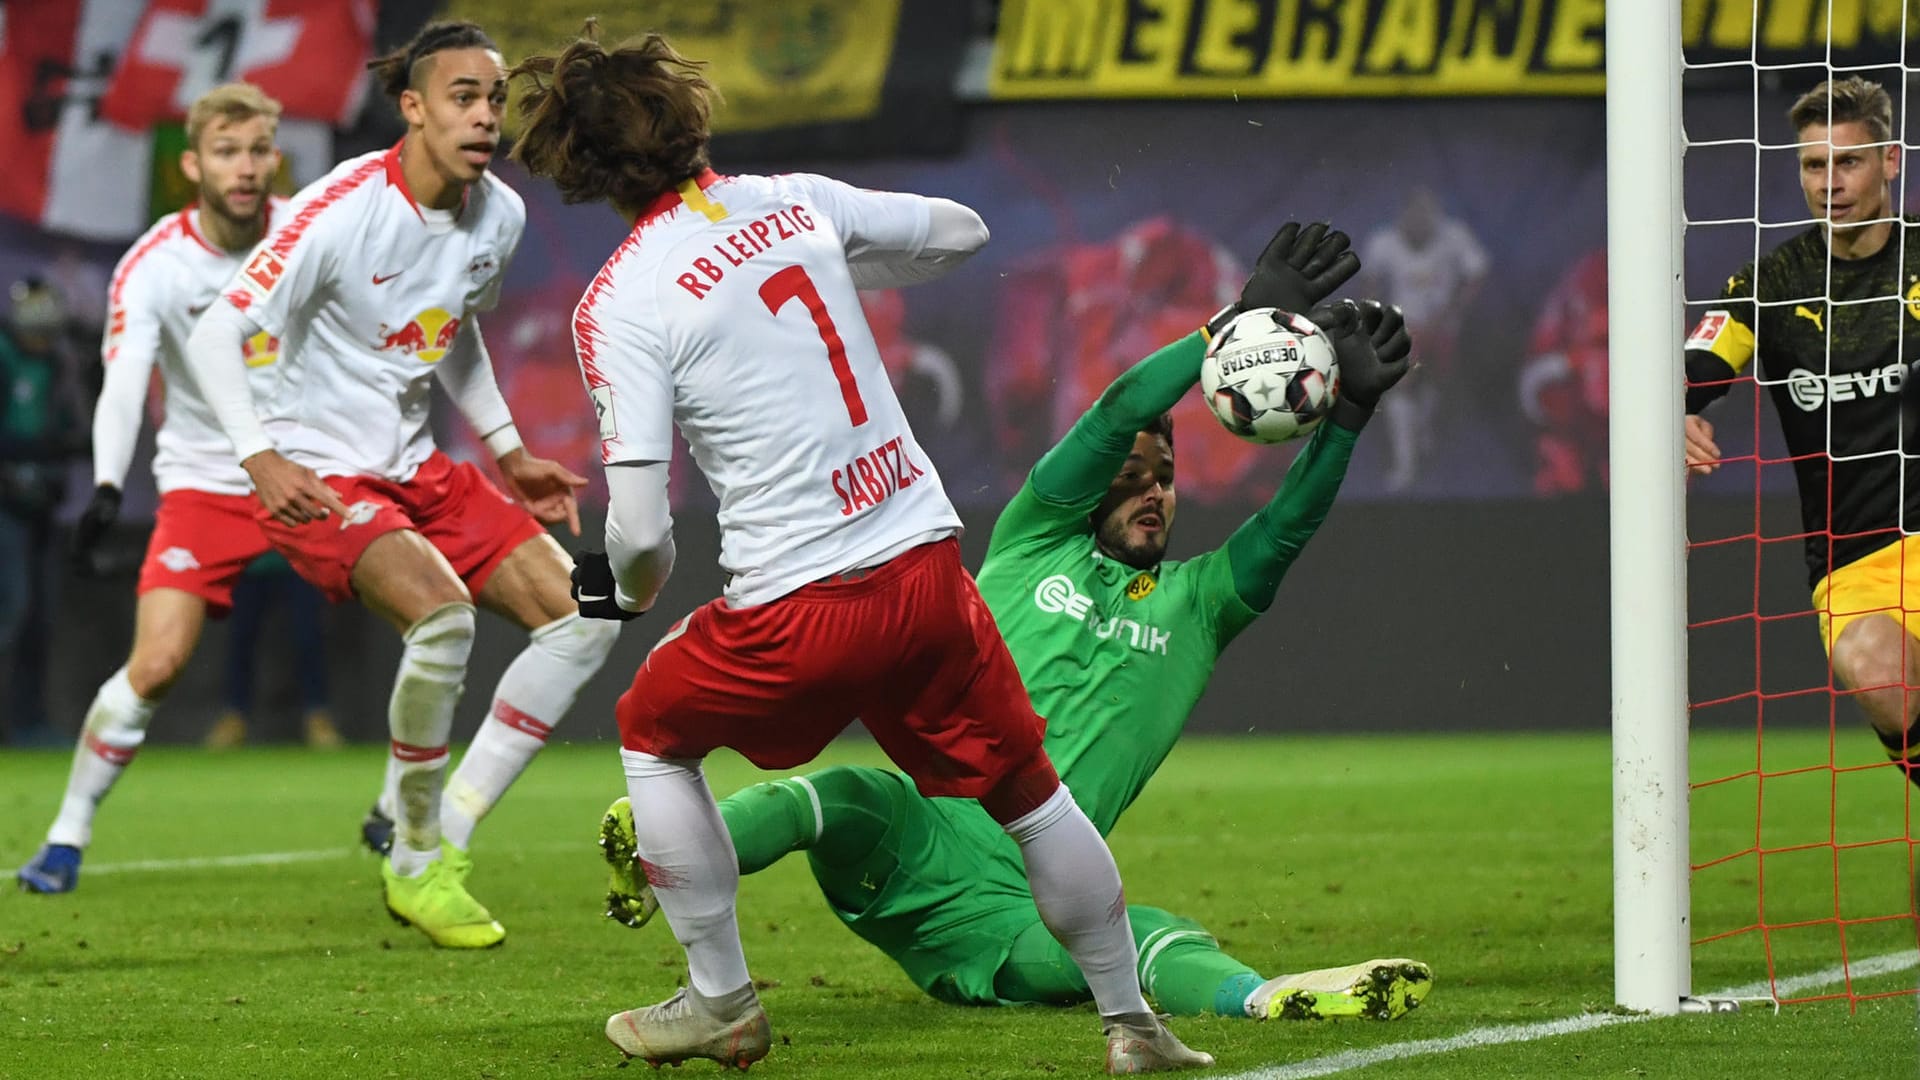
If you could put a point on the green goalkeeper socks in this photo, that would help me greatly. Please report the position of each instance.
(769, 820)
(1181, 968)
(841, 814)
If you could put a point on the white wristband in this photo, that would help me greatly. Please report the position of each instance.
(503, 441)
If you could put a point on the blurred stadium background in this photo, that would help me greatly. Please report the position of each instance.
(1130, 159)
(1130, 156)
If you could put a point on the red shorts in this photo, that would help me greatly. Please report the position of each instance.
(907, 648)
(455, 507)
(201, 543)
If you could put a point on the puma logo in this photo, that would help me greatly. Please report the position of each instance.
(1808, 313)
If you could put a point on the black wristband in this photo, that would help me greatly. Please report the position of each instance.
(1350, 414)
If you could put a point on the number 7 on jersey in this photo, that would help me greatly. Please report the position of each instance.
(792, 283)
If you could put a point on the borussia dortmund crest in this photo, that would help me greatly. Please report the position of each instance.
(793, 39)
(1141, 586)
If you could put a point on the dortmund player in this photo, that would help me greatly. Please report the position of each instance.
(1115, 644)
(1833, 305)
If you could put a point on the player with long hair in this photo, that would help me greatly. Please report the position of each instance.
(730, 311)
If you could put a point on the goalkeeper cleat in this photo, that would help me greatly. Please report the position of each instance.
(688, 1026)
(1134, 1049)
(376, 831)
(630, 900)
(55, 868)
(1375, 990)
(438, 904)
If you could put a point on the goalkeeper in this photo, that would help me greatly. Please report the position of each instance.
(1115, 645)
(1834, 302)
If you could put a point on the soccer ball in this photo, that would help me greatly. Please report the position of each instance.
(1270, 375)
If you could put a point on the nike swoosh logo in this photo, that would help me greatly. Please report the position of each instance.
(379, 280)
(195, 311)
(585, 599)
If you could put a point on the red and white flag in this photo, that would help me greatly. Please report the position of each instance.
(310, 55)
(67, 169)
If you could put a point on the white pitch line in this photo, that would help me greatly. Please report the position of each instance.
(205, 862)
(266, 858)
(1486, 1036)
(1885, 964)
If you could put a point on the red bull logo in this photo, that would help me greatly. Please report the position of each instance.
(426, 337)
(260, 350)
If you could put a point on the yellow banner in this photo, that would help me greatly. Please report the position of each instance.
(777, 62)
(1258, 48)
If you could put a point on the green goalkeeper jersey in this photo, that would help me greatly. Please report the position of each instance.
(1113, 657)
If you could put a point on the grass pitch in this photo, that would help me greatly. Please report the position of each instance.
(226, 927)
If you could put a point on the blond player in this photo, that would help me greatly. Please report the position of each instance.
(730, 311)
(374, 281)
(204, 533)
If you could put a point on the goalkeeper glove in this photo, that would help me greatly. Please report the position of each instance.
(1299, 268)
(95, 520)
(593, 588)
(1373, 346)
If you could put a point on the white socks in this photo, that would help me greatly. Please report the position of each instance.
(1077, 889)
(420, 717)
(534, 692)
(688, 859)
(115, 727)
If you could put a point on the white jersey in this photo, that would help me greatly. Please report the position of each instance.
(157, 292)
(367, 290)
(1425, 281)
(730, 311)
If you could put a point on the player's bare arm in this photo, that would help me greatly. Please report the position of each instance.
(545, 487)
(292, 493)
(1703, 454)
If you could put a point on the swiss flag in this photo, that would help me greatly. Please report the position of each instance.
(309, 55)
(66, 169)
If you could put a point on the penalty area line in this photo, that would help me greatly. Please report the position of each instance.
(1502, 1034)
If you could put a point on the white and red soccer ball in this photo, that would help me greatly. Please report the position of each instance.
(1270, 375)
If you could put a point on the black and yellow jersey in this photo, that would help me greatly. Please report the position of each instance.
(1828, 335)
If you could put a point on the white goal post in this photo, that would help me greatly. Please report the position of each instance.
(1652, 968)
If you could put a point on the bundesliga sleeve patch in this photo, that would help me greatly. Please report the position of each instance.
(263, 272)
(603, 408)
(1711, 326)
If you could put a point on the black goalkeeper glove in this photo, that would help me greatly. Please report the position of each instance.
(1299, 268)
(101, 512)
(593, 588)
(1372, 343)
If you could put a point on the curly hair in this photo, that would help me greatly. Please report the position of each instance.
(396, 69)
(623, 125)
